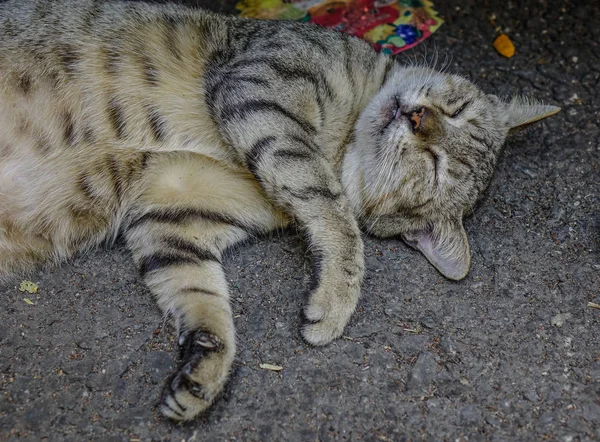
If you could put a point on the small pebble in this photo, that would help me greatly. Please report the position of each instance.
(560, 319)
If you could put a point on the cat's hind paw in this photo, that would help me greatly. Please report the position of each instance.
(191, 390)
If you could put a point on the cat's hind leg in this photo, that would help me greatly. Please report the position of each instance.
(189, 212)
(20, 250)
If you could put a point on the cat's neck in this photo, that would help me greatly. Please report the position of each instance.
(350, 170)
(352, 179)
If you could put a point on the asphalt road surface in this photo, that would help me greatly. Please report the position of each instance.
(511, 353)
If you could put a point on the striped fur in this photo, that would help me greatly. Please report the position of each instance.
(190, 132)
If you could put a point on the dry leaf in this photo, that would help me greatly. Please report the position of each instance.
(271, 367)
(593, 305)
(504, 46)
(28, 286)
(28, 301)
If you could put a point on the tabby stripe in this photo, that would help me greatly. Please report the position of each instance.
(150, 71)
(349, 139)
(160, 260)
(319, 82)
(41, 10)
(157, 124)
(243, 110)
(9, 29)
(305, 143)
(218, 57)
(349, 273)
(24, 126)
(116, 117)
(311, 192)
(313, 40)
(87, 136)
(464, 163)
(84, 186)
(348, 61)
(388, 68)
(453, 100)
(242, 36)
(321, 107)
(144, 160)
(250, 61)
(52, 78)
(170, 32)
(69, 134)
(274, 46)
(113, 169)
(183, 245)
(455, 176)
(257, 151)
(254, 80)
(25, 84)
(91, 16)
(230, 81)
(132, 171)
(481, 141)
(292, 154)
(43, 145)
(293, 73)
(68, 57)
(199, 291)
(183, 215)
(475, 123)
(111, 59)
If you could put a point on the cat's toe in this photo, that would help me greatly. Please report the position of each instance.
(183, 398)
(323, 331)
(314, 312)
(193, 388)
(327, 316)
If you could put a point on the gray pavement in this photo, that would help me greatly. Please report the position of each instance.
(511, 353)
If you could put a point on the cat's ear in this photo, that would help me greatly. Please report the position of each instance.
(521, 111)
(445, 246)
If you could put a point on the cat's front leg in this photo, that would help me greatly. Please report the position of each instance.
(339, 271)
(303, 181)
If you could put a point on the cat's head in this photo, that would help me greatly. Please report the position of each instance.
(424, 153)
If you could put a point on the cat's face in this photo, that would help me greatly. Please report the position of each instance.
(426, 147)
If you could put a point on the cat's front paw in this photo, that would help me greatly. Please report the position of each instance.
(328, 314)
(205, 367)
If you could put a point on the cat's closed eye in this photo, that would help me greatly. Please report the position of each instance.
(460, 110)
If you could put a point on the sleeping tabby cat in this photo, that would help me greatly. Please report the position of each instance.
(188, 132)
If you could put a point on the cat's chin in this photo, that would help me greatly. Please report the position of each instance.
(395, 132)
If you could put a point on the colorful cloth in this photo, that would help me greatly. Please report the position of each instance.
(391, 26)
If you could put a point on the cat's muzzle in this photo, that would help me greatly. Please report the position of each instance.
(414, 115)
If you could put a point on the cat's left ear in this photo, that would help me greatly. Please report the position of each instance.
(445, 246)
(522, 111)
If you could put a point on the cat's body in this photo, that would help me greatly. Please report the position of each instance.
(189, 132)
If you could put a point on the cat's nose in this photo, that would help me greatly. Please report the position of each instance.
(416, 117)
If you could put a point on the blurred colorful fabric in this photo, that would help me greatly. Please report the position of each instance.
(391, 26)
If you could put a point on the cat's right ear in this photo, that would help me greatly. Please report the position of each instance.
(522, 112)
(445, 246)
